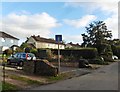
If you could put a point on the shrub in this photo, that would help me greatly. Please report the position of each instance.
(104, 49)
(116, 51)
(34, 51)
(87, 53)
(97, 61)
(8, 52)
(18, 50)
(41, 53)
(108, 59)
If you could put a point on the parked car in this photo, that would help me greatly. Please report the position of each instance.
(114, 57)
(19, 58)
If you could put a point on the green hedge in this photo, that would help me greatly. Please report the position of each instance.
(87, 53)
(116, 51)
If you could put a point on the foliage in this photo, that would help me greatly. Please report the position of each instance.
(18, 50)
(116, 50)
(7, 52)
(24, 45)
(104, 49)
(108, 59)
(27, 80)
(34, 51)
(7, 87)
(97, 61)
(97, 33)
(86, 53)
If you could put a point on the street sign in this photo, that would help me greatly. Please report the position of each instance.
(58, 38)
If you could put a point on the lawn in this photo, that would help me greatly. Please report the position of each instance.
(7, 87)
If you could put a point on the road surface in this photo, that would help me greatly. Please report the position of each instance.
(104, 78)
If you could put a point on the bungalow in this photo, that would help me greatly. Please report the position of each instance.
(71, 45)
(7, 40)
(40, 42)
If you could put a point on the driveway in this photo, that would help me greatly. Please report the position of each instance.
(104, 78)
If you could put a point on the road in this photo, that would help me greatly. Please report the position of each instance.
(104, 78)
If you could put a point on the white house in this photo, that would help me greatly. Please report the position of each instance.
(40, 42)
(71, 45)
(7, 40)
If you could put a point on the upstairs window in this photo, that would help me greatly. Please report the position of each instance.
(11, 41)
(3, 39)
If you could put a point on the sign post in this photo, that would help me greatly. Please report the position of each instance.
(58, 39)
(3, 64)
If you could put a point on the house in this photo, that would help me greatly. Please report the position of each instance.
(7, 40)
(71, 45)
(40, 42)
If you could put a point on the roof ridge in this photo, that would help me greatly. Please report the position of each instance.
(4, 34)
(42, 39)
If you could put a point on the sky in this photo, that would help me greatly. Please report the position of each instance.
(47, 19)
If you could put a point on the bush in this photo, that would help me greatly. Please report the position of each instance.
(108, 59)
(34, 51)
(97, 61)
(104, 49)
(18, 50)
(116, 51)
(41, 53)
(7, 52)
(87, 53)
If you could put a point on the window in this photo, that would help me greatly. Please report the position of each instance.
(3, 39)
(11, 41)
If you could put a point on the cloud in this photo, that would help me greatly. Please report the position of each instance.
(112, 20)
(73, 38)
(108, 8)
(112, 24)
(25, 25)
(84, 21)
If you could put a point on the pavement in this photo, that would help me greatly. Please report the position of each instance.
(104, 78)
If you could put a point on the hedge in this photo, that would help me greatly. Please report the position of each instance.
(87, 53)
(116, 51)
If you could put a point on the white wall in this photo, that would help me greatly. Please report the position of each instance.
(31, 41)
(49, 45)
(44, 45)
(7, 42)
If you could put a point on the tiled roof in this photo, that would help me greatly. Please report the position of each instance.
(75, 45)
(5, 35)
(41, 39)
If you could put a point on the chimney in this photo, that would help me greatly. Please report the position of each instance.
(38, 35)
(70, 42)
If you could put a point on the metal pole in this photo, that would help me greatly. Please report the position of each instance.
(58, 58)
(3, 64)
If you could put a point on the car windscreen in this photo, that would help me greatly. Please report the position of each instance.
(23, 55)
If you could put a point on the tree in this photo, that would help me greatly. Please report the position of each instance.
(97, 33)
(98, 36)
(24, 45)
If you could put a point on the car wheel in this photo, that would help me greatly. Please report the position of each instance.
(8, 62)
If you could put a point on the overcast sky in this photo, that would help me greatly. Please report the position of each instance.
(23, 19)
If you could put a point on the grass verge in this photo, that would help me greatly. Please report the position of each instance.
(61, 76)
(27, 80)
(7, 87)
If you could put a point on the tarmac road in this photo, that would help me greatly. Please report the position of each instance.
(104, 78)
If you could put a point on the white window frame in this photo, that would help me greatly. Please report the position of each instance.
(3, 39)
